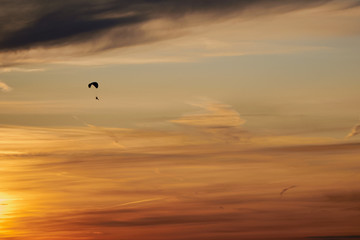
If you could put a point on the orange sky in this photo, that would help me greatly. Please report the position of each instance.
(217, 120)
(210, 180)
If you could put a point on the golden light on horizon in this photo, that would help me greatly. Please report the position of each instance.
(8, 208)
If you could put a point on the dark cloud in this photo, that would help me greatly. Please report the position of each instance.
(40, 23)
(49, 23)
(61, 27)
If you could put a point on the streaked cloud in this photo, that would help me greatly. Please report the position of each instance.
(73, 183)
(330, 147)
(286, 189)
(17, 69)
(215, 115)
(354, 131)
(216, 121)
(337, 237)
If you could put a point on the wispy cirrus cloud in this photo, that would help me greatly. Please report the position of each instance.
(214, 115)
(4, 87)
(354, 131)
(17, 69)
(216, 120)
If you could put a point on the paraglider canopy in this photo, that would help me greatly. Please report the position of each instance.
(95, 84)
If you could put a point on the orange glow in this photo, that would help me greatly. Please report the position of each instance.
(212, 120)
(162, 187)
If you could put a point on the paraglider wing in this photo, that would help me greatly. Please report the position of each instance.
(95, 84)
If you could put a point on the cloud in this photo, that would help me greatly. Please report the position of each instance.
(286, 189)
(59, 31)
(4, 87)
(54, 23)
(216, 120)
(16, 69)
(346, 197)
(81, 184)
(354, 131)
(216, 115)
(172, 220)
(338, 237)
(336, 147)
(36, 24)
(108, 132)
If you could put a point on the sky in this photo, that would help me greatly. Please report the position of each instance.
(230, 119)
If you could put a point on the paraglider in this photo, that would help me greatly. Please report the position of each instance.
(96, 85)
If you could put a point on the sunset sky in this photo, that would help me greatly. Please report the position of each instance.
(216, 120)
